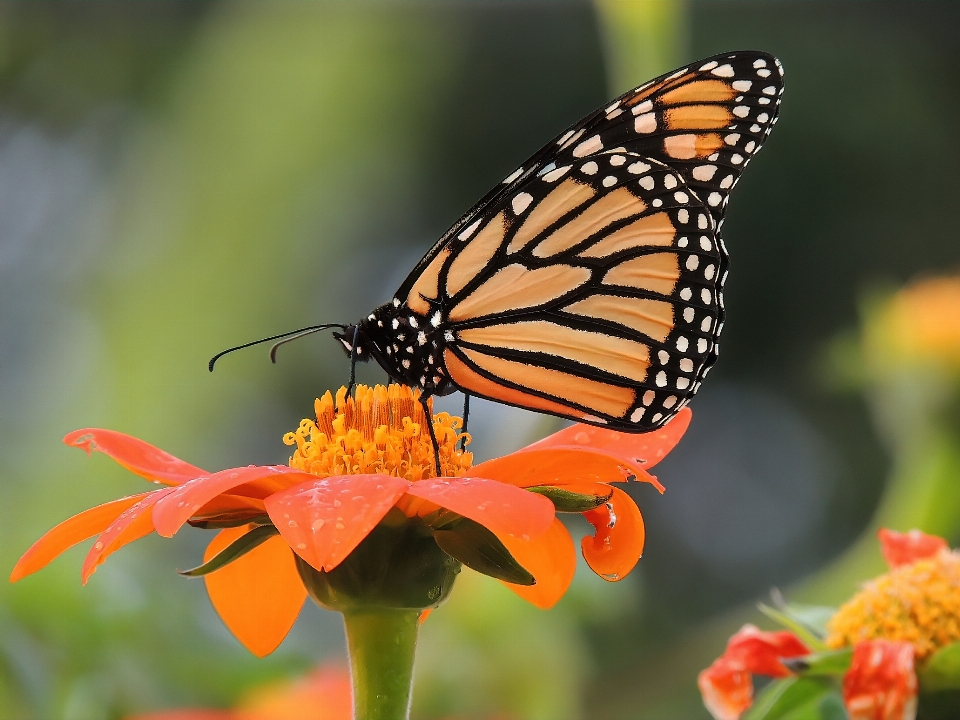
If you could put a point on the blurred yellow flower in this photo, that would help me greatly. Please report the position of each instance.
(919, 324)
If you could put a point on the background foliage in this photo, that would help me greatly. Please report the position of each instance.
(178, 177)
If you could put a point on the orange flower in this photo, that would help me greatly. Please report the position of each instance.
(881, 683)
(727, 685)
(362, 459)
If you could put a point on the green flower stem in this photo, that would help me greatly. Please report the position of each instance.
(382, 643)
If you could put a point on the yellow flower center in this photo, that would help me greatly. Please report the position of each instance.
(918, 603)
(381, 430)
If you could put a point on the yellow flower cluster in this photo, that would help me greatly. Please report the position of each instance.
(918, 603)
(379, 430)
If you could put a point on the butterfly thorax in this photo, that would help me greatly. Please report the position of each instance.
(405, 344)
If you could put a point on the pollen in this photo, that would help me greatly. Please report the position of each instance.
(918, 603)
(380, 430)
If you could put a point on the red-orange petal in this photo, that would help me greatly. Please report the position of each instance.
(759, 652)
(71, 531)
(259, 595)
(905, 548)
(185, 714)
(135, 455)
(645, 449)
(561, 466)
(132, 524)
(324, 695)
(881, 683)
(550, 558)
(179, 506)
(323, 520)
(726, 688)
(616, 547)
(501, 508)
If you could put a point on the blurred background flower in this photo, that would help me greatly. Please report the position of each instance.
(179, 177)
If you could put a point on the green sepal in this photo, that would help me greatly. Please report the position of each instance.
(235, 550)
(942, 670)
(833, 663)
(794, 698)
(808, 622)
(231, 520)
(566, 501)
(479, 549)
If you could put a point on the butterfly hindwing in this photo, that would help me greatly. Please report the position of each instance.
(593, 294)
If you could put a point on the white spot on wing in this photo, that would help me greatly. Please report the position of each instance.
(645, 123)
(703, 173)
(513, 176)
(555, 175)
(591, 145)
(723, 71)
(589, 168)
(638, 168)
(521, 202)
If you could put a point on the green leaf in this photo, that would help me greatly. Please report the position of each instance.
(942, 670)
(237, 549)
(805, 621)
(566, 501)
(231, 520)
(479, 549)
(833, 663)
(792, 698)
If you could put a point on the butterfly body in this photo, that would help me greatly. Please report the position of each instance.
(589, 283)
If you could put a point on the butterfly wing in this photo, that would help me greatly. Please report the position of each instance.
(589, 283)
(706, 120)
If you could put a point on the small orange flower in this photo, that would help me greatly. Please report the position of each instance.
(363, 457)
(905, 615)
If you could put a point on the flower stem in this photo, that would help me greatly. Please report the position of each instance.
(382, 644)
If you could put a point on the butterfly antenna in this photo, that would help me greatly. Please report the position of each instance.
(292, 335)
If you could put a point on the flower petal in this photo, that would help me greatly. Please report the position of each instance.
(613, 551)
(259, 595)
(501, 508)
(727, 689)
(760, 652)
(189, 498)
(646, 449)
(550, 558)
(132, 524)
(323, 520)
(326, 694)
(186, 714)
(561, 466)
(76, 529)
(135, 455)
(881, 683)
(906, 548)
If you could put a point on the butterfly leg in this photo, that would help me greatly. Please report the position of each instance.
(466, 416)
(433, 436)
(353, 361)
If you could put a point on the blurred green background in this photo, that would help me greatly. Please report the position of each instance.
(178, 177)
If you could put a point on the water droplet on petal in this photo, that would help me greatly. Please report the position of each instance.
(340, 526)
(317, 524)
(98, 546)
(301, 546)
(292, 523)
(337, 503)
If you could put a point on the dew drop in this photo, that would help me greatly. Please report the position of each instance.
(301, 546)
(292, 523)
(317, 524)
(339, 526)
(337, 503)
(98, 546)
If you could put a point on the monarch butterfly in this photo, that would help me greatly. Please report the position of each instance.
(589, 283)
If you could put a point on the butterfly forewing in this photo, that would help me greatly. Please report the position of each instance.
(589, 283)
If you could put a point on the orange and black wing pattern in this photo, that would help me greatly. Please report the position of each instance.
(589, 284)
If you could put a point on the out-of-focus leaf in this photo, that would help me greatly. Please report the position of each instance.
(942, 670)
(807, 621)
(793, 698)
(479, 549)
(235, 550)
(570, 502)
(827, 664)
